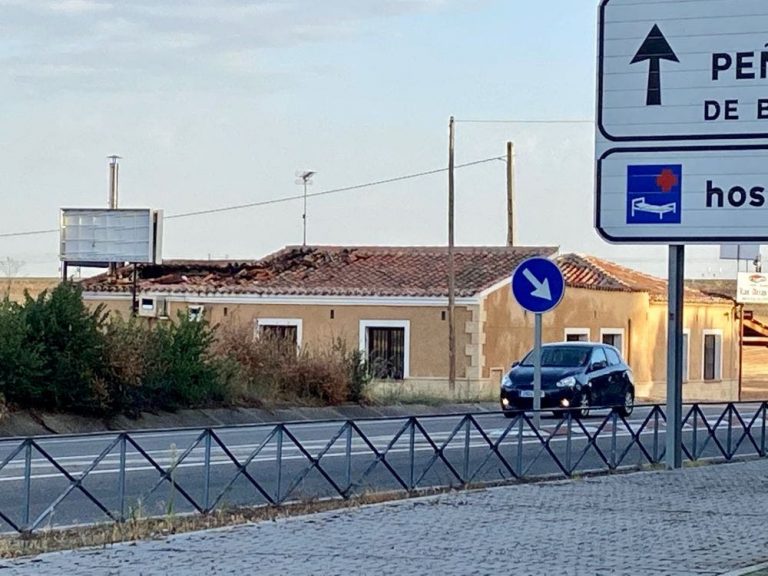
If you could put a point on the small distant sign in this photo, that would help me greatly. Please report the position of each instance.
(752, 288)
(96, 236)
(739, 251)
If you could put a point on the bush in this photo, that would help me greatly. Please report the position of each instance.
(269, 369)
(165, 366)
(21, 360)
(68, 339)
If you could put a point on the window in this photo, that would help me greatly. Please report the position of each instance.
(613, 337)
(282, 329)
(386, 345)
(577, 334)
(613, 357)
(686, 354)
(598, 355)
(713, 359)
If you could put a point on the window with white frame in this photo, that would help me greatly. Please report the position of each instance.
(712, 355)
(287, 330)
(577, 335)
(613, 337)
(386, 345)
(686, 354)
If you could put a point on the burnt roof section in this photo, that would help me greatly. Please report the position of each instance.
(581, 271)
(331, 271)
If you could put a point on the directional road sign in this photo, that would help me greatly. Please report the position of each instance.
(538, 285)
(682, 70)
(682, 127)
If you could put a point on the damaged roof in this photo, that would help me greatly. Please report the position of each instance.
(330, 271)
(582, 271)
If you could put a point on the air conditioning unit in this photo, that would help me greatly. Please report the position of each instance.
(196, 312)
(152, 307)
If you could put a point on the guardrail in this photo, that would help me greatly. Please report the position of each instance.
(49, 483)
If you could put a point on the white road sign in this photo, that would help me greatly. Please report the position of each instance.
(682, 131)
(683, 70)
(752, 288)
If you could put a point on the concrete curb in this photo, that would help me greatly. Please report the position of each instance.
(27, 424)
(748, 570)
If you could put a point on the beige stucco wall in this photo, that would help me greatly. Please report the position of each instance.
(428, 352)
(14, 288)
(509, 335)
(494, 333)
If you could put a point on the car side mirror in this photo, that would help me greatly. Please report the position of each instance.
(599, 365)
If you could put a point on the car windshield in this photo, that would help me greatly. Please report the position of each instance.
(560, 357)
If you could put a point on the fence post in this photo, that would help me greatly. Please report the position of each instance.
(279, 461)
(568, 440)
(412, 454)
(520, 419)
(656, 435)
(730, 431)
(695, 440)
(614, 425)
(207, 472)
(121, 475)
(762, 431)
(349, 456)
(27, 482)
(466, 450)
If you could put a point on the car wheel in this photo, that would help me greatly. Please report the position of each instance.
(582, 408)
(629, 404)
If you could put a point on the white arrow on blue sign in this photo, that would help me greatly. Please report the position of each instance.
(538, 285)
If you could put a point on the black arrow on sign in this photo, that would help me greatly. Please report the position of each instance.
(654, 49)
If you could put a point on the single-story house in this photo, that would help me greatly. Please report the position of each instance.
(392, 303)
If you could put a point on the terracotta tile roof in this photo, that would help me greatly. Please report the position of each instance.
(332, 271)
(581, 271)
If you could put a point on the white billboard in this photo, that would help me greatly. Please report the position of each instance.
(749, 252)
(752, 288)
(97, 236)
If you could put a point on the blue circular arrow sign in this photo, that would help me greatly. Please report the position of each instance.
(538, 285)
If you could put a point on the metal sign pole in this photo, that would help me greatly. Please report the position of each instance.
(537, 371)
(674, 455)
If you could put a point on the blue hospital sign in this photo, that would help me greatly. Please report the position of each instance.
(654, 194)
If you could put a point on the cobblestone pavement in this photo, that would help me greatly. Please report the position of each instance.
(697, 521)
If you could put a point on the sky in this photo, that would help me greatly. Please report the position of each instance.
(219, 103)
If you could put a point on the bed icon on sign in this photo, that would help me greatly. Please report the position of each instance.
(654, 194)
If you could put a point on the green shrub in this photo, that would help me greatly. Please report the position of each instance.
(21, 360)
(70, 342)
(180, 370)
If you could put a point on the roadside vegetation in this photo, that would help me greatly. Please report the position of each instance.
(57, 354)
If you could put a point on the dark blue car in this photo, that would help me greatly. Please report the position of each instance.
(575, 376)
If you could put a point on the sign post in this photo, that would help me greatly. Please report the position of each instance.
(538, 286)
(681, 139)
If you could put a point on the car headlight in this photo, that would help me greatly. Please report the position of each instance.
(567, 382)
(506, 382)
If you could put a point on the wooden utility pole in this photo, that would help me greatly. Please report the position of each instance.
(511, 228)
(451, 270)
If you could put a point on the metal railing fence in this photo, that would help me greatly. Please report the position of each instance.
(48, 482)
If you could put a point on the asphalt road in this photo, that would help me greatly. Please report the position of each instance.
(350, 459)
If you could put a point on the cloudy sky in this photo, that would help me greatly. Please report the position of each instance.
(218, 103)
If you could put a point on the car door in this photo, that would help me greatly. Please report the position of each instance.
(616, 378)
(598, 376)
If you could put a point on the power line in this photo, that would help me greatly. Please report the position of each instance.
(576, 121)
(332, 191)
(286, 198)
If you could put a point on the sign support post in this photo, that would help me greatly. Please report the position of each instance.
(674, 455)
(537, 370)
